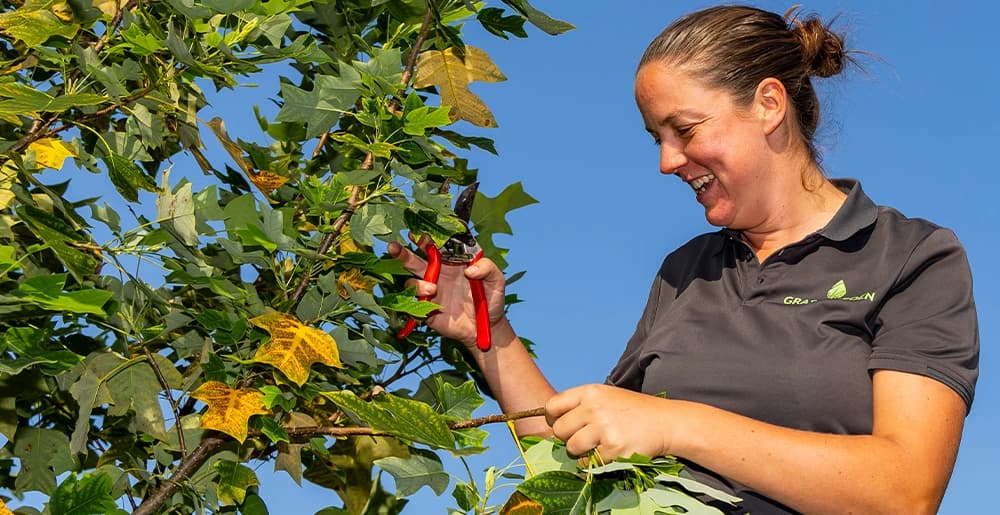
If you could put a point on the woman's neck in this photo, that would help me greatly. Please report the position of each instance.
(804, 209)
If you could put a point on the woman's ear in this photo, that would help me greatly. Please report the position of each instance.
(771, 101)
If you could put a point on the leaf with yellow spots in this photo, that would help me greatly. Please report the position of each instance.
(51, 152)
(4, 510)
(452, 73)
(357, 280)
(229, 409)
(294, 347)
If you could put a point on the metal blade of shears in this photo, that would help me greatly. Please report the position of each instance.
(463, 210)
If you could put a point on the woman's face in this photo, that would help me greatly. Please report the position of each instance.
(718, 149)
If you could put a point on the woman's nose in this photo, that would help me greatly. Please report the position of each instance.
(671, 158)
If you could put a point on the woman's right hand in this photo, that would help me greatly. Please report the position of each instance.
(457, 318)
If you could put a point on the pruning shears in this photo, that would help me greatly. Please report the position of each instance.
(461, 249)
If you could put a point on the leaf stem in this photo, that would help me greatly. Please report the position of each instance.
(170, 398)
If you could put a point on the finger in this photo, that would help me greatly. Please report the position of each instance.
(484, 269)
(424, 288)
(560, 404)
(412, 262)
(583, 441)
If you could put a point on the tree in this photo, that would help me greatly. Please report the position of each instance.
(267, 332)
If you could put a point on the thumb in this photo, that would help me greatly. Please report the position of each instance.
(484, 269)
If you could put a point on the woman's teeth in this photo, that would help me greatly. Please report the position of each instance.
(700, 184)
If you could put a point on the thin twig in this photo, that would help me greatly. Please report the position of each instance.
(308, 432)
(170, 398)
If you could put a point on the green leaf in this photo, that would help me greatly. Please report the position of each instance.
(557, 491)
(32, 349)
(417, 122)
(405, 302)
(539, 19)
(438, 226)
(458, 402)
(234, 481)
(127, 178)
(666, 497)
(353, 352)
(58, 235)
(697, 487)
(547, 456)
(415, 472)
(321, 107)
(408, 419)
(228, 6)
(46, 291)
(44, 454)
(369, 221)
(493, 20)
(489, 217)
(89, 495)
(465, 142)
(175, 209)
(35, 25)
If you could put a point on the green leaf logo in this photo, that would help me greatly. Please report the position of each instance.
(837, 290)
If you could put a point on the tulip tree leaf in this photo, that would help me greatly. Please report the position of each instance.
(452, 73)
(294, 347)
(234, 481)
(395, 415)
(44, 454)
(90, 493)
(415, 472)
(229, 409)
(489, 217)
(321, 107)
(539, 19)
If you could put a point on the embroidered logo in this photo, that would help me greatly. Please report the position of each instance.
(836, 292)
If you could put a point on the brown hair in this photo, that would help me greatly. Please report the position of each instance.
(735, 47)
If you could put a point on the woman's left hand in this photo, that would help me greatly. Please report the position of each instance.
(615, 421)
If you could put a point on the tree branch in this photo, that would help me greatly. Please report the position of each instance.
(208, 445)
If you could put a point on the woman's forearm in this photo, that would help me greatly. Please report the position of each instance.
(515, 379)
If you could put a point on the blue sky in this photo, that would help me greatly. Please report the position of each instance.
(918, 126)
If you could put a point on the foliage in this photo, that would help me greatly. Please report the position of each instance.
(243, 311)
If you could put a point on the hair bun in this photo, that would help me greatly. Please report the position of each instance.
(823, 50)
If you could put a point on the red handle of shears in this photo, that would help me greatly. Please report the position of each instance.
(483, 338)
(431, 275)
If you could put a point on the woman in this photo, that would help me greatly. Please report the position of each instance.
(819, 352)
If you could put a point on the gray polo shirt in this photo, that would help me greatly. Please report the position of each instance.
(793, 340)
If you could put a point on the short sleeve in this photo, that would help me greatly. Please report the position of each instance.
(628, 373)
(927, 324)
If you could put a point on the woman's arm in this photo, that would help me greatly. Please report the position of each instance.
(515, 380)
(902, 467)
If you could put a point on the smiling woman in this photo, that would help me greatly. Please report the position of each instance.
(820, 388)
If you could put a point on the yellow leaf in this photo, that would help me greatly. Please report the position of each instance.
(229, 409)
(267, 181)
(109, 7)
(356, 280)
(51, 152)
(294, 347)
(8, 173)
(452, 75)
(63, 11)
(519, 504)
(4, 510)
(264, 180)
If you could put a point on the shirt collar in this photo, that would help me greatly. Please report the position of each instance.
(857, 212)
